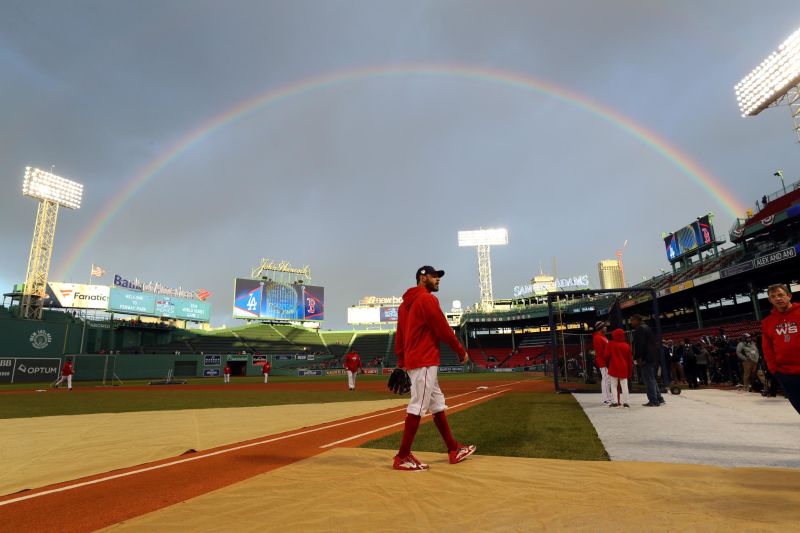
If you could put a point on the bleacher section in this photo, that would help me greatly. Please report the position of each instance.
(733, 330)
(370, 345)
(337, 342)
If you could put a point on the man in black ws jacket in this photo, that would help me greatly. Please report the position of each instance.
(645, 351)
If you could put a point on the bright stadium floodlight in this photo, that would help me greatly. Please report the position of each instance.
(482, 239)
(775, 79)
(52, 191)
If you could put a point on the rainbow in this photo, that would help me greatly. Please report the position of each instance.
(682, 162)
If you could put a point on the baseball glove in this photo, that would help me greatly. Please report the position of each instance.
(399, 382)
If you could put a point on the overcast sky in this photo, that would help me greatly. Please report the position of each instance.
(367, 179)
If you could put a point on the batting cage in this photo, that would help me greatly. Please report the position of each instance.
(572, 316)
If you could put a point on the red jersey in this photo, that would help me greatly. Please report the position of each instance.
(421, 326)
(266, 368)
(619, 356)
(66, 370)
(600, 342)
(226, 370)
(352, 362)
(780, 340)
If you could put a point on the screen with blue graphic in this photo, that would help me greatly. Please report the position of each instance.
(694, 238)
(273, 300)
(247, 298)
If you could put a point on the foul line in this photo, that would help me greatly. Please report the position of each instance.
(401, 423)
(205, 455)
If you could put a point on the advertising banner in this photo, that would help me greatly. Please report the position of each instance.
(6, 369)
(212, 360)
(776, 257)
(132, 302)
(29, 370)
(237, 357)
(336, 372)
(389, 314)
(283, 357)
(77, 295)
(156, 305)
(373, 371)
(451, 369)
(309, 372)
(211, 372)
(708, 278)
(259, 360)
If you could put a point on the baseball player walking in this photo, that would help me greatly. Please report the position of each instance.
(421, 326)
(66, 373)
(265, 370)
(352, 362)
(226, 374)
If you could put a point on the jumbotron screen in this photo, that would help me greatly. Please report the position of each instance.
(697, 236)
(273, 300)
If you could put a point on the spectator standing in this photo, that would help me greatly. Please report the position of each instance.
(645, 351)
(747, 353)
(689, 357)
(702, 363)
(781, 341)
(676, 370)
(599, 342)
(620, 366)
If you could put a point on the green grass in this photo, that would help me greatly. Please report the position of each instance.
(123, 401)
(542, 425)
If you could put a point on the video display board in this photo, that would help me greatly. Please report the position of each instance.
(372, 315)
(694, 238)
(158, 305)
(272, 300)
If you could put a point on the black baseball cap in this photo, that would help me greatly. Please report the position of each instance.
(427, 270)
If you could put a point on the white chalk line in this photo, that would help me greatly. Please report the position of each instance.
(403, 422)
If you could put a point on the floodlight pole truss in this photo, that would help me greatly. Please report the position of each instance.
(794, 106)
(485, 277)
(44, 233)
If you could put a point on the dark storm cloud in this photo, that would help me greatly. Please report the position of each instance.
(367, 180)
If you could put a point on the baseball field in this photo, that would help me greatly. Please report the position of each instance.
(306, 454)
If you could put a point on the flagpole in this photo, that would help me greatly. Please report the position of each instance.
(83, 331)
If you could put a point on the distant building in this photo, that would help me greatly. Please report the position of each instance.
(611, 276)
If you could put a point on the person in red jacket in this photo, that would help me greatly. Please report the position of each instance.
(599, 342)
(265, 370)
(620, 365)
(66, 373)
(780, 341)
(352, 363)
(226, 374)
(421, 326)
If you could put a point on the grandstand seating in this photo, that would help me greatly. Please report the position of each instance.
(732, 330)
(371, 345)
(337, 342)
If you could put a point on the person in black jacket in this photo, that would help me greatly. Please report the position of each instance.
(645, 351)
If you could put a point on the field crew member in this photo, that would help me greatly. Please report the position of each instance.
(66, 373)
(600, 342)
(352, 363)
(265, 370)
(421, 326)
(781, 342)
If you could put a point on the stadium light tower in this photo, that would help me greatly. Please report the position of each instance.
(51, 191)
(483, 239)
(775, 81)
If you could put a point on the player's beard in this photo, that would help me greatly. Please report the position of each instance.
(431, 286)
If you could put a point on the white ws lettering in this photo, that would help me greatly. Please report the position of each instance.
(787, 328)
